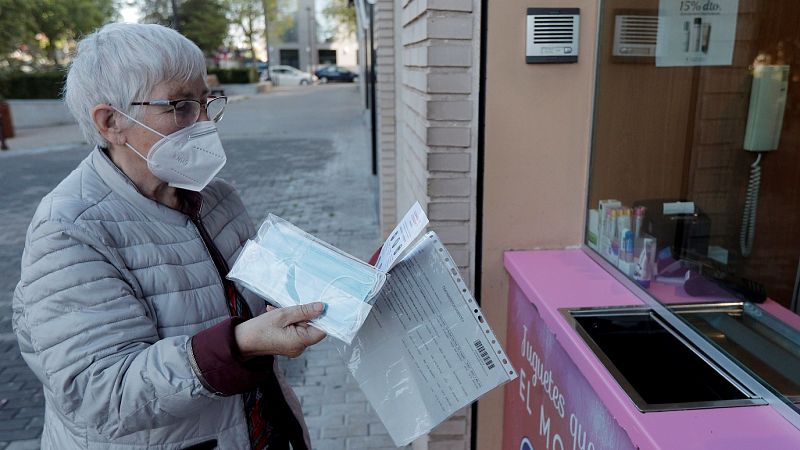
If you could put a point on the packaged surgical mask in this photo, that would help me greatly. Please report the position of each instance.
(288, 267)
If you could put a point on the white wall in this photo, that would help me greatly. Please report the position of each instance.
(39, 113)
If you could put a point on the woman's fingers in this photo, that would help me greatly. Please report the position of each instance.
(310, 335)
(300, 313)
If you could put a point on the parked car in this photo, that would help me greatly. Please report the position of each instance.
(335, 73)
(289, 76)
(261, 68)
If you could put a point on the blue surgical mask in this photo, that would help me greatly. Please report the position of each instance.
(291, 267)
(319, 272)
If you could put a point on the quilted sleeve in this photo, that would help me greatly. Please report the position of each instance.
(92, 342)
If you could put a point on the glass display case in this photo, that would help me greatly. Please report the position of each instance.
(694, 192)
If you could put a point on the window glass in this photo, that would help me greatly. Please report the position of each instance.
(695, 170)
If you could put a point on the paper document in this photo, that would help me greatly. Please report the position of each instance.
(403, 235)
(425, 351)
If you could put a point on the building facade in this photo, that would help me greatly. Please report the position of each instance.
(310, 41)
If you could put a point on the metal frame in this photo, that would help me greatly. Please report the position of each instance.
(795, 305)
(570, 314)
(713, 354)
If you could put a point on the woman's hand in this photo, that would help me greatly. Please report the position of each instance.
(280, 331)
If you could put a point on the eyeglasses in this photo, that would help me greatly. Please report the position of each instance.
(187, 111)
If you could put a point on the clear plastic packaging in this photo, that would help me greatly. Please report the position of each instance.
(288, 267)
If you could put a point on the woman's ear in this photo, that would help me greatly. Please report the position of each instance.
(106, 120)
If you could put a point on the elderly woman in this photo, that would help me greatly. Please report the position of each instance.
(123, 310)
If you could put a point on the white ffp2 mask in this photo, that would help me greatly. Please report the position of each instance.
(188, 158)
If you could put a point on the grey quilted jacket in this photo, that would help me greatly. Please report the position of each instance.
(113, 286)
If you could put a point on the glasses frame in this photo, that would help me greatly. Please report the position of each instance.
(173, 103)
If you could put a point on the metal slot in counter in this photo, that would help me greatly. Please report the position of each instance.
(650, 360)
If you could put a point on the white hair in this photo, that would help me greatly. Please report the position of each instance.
(121, 63)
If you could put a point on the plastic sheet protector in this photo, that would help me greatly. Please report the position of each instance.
(288, 267)
(425, 351)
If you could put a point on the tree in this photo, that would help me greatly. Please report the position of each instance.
(14, 24)
(270, 8)
(204, 22)
(46, 28)
(158, 11)
(279, 16)
(247, 14)
(343, 15)
(58, 21)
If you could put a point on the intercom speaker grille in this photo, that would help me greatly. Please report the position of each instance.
(635, 36)
(554, 30)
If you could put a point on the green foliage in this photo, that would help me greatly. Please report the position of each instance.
(60, 20)
(157, 11)
(14, 18)
(205, 23)
(248, 15)
(280, 18)
(238, 75)
(41, 85)
(343, 15)
(47, 28)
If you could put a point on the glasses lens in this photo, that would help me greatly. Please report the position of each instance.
(216, 108)
(186, 113)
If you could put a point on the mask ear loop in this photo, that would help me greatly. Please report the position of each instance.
(137, 122)
(341, 277)
(373, 282)
(138, 153)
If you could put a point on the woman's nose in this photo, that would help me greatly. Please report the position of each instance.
(203, 115)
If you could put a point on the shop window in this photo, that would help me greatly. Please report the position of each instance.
(290, 57)
(695, 169)
(326, 57)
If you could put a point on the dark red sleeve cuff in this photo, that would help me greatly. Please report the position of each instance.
(221, 369)
(374, 258)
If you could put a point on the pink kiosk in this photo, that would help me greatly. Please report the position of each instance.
(601, 367)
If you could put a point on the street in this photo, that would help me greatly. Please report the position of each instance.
(302, 154)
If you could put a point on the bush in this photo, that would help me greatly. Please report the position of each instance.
(37, 85)
(48, 85)
(235, 76)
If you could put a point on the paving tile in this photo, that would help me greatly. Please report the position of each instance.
(330, 444)
(30, 444)
(344, 431)
(370, 442)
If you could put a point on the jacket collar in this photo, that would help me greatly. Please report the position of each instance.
(120, 184)
(191, 203)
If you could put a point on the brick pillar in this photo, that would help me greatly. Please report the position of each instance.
(437, 52)
(386, 112)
